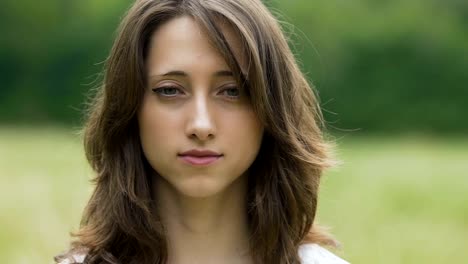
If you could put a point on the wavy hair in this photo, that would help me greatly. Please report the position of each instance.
(120, 223)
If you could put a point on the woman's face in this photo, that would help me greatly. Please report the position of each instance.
(193, 103)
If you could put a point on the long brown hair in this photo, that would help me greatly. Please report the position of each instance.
(120, 223)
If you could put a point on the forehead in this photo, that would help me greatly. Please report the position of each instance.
(182, 41)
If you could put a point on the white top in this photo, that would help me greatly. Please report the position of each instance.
(309, 254)
(315, 254)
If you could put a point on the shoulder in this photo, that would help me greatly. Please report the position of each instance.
(76, 256)
(315, 254)
(75, 259)
(309, 254)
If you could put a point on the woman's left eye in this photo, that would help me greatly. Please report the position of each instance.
(232, 92)
(167, 91)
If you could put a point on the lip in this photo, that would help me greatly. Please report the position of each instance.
(200, 157)
(192, 160)
(200, 153)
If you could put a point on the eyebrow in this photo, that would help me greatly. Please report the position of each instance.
(184, 74)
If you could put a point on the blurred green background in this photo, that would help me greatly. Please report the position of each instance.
(392, 77)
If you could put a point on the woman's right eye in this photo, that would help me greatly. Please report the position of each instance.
(168, 91)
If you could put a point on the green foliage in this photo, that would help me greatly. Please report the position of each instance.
(385, 65)
(379, 66)
(51, 54)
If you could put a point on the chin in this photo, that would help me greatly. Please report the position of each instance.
(201, 188)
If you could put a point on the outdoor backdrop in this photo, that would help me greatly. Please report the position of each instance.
(392, 77)
(380, 66)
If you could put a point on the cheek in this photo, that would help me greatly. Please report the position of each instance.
(245, 131)
(156, 120)
(156, 128)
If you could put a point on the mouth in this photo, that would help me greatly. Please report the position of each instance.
(199, 160)
(200, 157)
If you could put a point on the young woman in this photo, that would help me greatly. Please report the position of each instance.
(206, 142)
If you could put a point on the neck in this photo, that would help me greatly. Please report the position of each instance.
(205, 229)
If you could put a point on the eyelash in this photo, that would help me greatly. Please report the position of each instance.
(160, 91)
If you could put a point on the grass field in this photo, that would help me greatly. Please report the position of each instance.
(393, 200)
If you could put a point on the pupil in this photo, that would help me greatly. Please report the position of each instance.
(235, 92)
(170, 90)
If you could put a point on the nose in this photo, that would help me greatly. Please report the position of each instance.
(200, 125)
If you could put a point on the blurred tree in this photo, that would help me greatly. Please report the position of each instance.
(385, 66)
(379, 66)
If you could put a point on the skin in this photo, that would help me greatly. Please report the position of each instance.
(192, 102)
